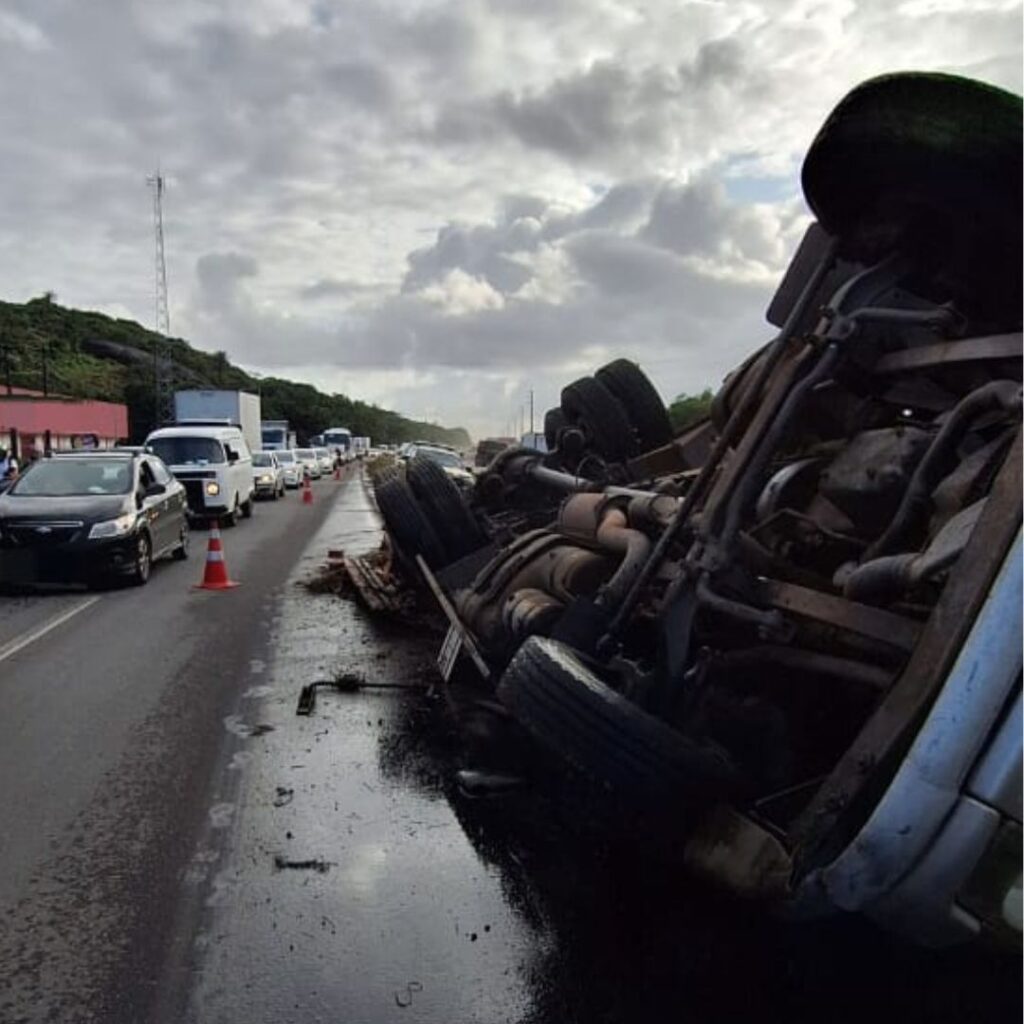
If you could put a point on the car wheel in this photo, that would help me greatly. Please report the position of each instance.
(609, 739)
(408, 525)
(247, 507)
(180, 553)
(441, 502)
(643, 405)
(143, 561)
(588, 403)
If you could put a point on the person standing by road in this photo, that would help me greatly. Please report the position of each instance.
(8, 464)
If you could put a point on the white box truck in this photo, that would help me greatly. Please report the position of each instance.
(277, 436)
(216, 408)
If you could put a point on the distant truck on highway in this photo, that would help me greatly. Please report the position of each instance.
(277, 436)
(216, 407)
(360, 446)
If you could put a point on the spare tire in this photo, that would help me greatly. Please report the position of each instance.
(405, 520)
(441, 502)
(554, 423)
(608, 738)
(638, 396)
(589, 404)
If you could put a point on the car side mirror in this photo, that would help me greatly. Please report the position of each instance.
(154, 489)
(232, 456)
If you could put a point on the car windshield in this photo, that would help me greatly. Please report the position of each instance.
(304, 453)
(65, 477)
(262, 459)
(286, 457)
(442, 458)
(188, 451)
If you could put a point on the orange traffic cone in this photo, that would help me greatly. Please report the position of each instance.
(215, 575)
(307, 489)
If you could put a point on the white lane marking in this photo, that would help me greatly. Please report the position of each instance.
(12, 647)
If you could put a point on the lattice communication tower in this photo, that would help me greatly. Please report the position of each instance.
(163, 365)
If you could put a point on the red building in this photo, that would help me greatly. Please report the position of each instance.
(32, 423)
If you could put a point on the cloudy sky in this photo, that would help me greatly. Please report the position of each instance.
(434, 205)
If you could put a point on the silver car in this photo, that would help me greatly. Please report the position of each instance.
(326, 459)
(310, 462)
(291, 468)
(268, 475)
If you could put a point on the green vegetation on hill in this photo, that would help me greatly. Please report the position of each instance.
(90, 355)
(688, 409)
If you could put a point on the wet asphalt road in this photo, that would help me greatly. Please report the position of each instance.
(109, 730)
(187, 849)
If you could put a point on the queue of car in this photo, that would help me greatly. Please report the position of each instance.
(103, 516)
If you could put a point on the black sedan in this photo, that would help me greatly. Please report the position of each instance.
(89, 517)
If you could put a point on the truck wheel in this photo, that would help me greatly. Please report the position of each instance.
(643, 405)
(407, 523)
(554, 423)
(588, 403)
(230, 519)
(441, 502)
(247, 508)
(608, 738)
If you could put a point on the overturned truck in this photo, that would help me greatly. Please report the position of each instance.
(794, 631)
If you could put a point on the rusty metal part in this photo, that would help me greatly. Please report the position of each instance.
(790, 487)
(739, 854)
(770, 621)
(540, 560)
(773, 354)
(615, 535)
(882, 626)
(529, 611)
(603, 520)
(800, 660)
(950, 353)
(891, 575)
(469, 642)
(867, 478)
(844, 800)
(580, 515)
(997, 395)
(690, 450)
(652, 511)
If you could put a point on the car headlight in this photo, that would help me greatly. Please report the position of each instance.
(112, 527)
(213, 489)
(266, 478)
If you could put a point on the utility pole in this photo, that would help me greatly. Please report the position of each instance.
(163, 397)
(531, 417)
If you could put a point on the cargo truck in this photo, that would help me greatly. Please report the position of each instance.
(277, 436)
(219, 408)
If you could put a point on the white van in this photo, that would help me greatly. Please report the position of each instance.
(214, 464)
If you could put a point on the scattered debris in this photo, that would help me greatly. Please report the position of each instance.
(317, 864)
(406, 1000)
(284, 796)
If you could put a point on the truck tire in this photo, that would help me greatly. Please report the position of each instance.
(589, 404)
(554, 423)
(643, 405)
(440, 501)
(609, 739)
(405, 520)
(246, 507)
(915, 140)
